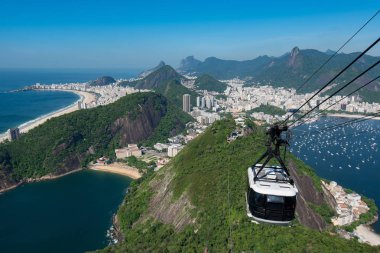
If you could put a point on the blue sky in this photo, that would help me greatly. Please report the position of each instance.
(138, 34)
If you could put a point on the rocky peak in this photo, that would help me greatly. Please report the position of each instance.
(295, 51)
(293, 56)
(189, 63)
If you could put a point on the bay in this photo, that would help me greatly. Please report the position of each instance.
(68, 214)
(348, 155)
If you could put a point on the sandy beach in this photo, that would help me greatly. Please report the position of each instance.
(118, 168)
(365, 234)
(352, 116)
(85, 97)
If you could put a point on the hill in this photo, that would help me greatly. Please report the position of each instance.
(101, 81)
(69, 142)
(196, 203)
(158, 78)
(147, 72)
(174, 91)
(166, 81)
(288, 70)
(207, 82)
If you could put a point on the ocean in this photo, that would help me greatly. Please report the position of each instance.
(21, 107)
(349, 155)
(68, 214)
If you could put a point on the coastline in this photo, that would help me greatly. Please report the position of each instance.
(85, 97)
(366, 235)
(118, 168)
(43, 178)
(351, 116)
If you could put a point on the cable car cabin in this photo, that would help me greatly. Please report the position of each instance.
(271, 198)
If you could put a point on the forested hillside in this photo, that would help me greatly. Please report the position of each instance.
(72, 140)
(196, 203)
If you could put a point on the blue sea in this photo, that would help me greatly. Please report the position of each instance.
(348, 155)
(21, 107)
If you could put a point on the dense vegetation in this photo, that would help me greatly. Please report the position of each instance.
(174, 91)
(74, 139)
(267, 109)
(209, 83)
(212, 173)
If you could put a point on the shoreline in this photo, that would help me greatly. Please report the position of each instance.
(85, 97)
(118, 168)
(367, 235)
(351, 116)
(40, 179)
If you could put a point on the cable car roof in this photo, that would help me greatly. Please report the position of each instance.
(274, 182)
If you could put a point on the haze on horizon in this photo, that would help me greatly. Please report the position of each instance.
(138, 34)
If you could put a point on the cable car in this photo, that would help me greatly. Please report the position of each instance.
(271, 197)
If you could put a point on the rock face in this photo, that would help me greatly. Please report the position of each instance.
(164, 208)
(307, 194)
(189, 63)
(134, 130)
(293, 57)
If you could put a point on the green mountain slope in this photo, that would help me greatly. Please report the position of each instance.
(72, 140)
(197, 202)
(158, 78)
(174, 91)
(207, 82)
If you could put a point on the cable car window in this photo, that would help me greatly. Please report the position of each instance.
(275, 199)
(259, 198)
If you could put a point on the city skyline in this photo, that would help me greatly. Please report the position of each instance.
(100, 34)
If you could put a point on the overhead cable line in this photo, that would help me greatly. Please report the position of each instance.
(336, 52)
(344, 86)
(336, 76)
(350, 122)
(324, 110)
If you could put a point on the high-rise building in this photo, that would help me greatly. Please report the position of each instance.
(186, 103)
(203, 102)
(208, 102)
(13, 134)
(198, 101)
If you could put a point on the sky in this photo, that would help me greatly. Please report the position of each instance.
(139, 34)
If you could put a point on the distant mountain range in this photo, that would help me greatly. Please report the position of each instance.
(288, 70)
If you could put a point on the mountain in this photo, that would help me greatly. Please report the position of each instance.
(174, 91)
(166, 81)
(207, 82)
(158, 78)
(147, 72)
(101, 81)
(189, 63)
(196, 203)
(329, 52)
(71, 141)
(291, 69)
